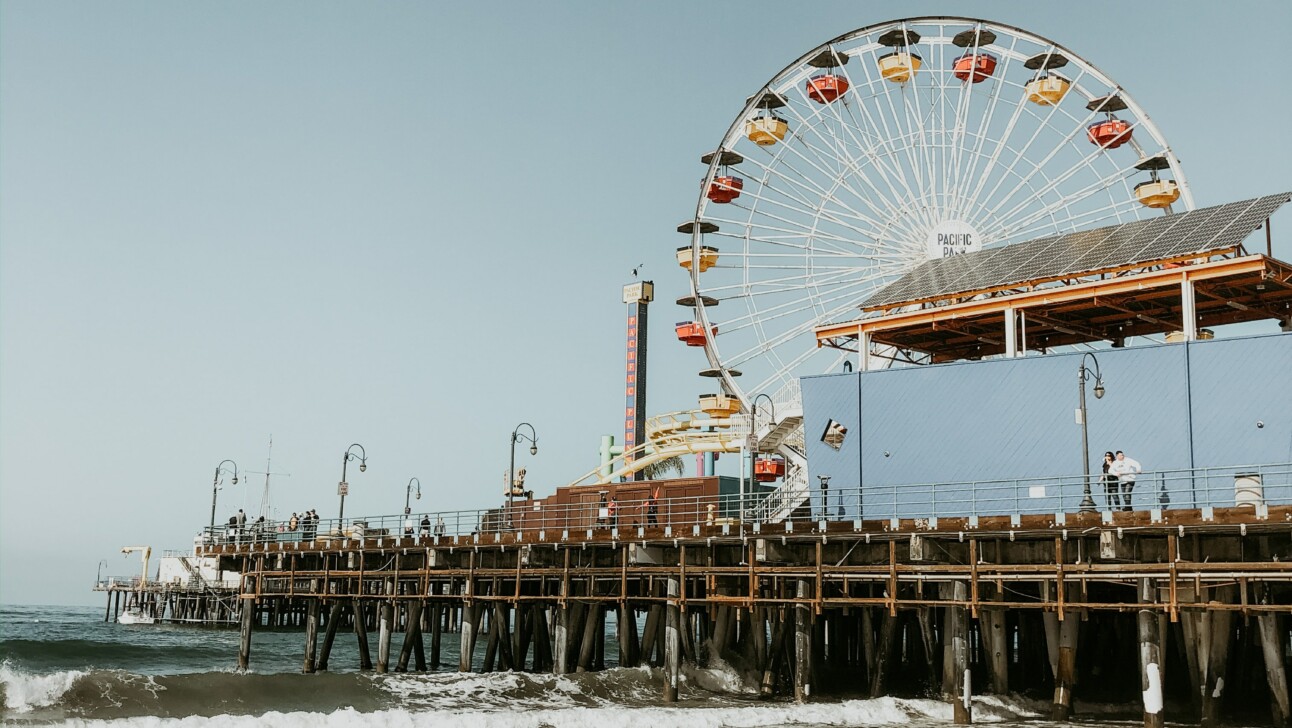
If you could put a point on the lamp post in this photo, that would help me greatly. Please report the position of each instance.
(98, 578)
(753, 455)
(517, 435)
(1087, 501)
(409, 490)
(344, 487)
(215, 489)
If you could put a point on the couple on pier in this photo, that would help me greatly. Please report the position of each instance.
(1119, 479)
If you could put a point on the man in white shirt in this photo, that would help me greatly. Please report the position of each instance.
(1125, 469)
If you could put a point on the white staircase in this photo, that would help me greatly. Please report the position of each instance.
(779, 429)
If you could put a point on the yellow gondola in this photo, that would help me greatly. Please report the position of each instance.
(766, 130)
(1047, 91)
(719, 405)
(708, 257)
(1157, 193)
(899, 66)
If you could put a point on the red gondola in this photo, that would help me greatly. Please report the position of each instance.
(725, 189)
(825, 88)
(691, 333)
(1109, 134)
(975, 67)
(768, 469)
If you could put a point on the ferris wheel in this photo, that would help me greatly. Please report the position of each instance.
(888, 146)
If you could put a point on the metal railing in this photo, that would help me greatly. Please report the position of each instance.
(1252, 486)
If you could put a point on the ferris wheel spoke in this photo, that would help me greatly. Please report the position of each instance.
(1009, 226)
(1044, 124)
(806, 188)
(891, 200)
(816, 282)
(791, 332)
(965, 168)
(1083, 164)
(775, 285)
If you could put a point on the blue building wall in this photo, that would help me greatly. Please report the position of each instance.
(1172, 407)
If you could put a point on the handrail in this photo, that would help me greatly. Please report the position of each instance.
(1228, 486)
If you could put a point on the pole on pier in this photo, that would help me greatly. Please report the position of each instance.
(561, 650)
(1275, 674)
(333, 621)
(311, 634)
(383, 636)
(587, 648)
(412, 629)
(1217, 630)
(361, 633)
(467, 637)
(626, 630)
(502, 620)
(436, 620)
(1150, 655)
(991, 623)
(957, 655)
(672, 641)
(802, 642)
(883, 654)
(244, 640)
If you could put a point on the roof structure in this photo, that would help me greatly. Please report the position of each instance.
(1172, 275)
(1181, 236)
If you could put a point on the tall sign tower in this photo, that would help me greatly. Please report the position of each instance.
(637, 296)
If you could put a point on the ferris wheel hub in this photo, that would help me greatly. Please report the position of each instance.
(951, 237)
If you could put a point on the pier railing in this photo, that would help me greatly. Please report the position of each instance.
(1252, 486)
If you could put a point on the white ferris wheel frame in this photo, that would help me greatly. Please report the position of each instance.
(1088, 82)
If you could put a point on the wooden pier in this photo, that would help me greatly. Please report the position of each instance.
(1170, 608)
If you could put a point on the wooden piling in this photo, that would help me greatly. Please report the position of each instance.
(587, 646)
(956, 655)
(412, 629)
(244, 639)
(311, 634)
(1217, 631)
(626, 632)
(672, 642)
(361, 634)
(1267, 623)
(384, 629)
(436, 621)
(329, 635)
(1150, 655)
(467, 636)
(561, 648)
(802, 642)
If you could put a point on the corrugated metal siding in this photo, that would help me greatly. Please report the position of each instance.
(826, 398)
(1015, 418)
(1237, 383)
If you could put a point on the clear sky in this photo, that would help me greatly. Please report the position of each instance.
(407, 225)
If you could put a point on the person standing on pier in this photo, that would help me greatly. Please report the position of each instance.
(1125, 469)
(426, 526)
(652, 508)
(612, 512)
(1111, 484)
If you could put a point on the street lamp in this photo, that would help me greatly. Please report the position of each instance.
(517, 435)
(215, 488)
(409, 490)
(344, 487)
(1087, 502)
(98, 578)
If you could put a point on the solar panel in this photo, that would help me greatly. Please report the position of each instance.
(1071, 254)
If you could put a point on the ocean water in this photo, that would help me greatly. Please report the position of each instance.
(65, 666)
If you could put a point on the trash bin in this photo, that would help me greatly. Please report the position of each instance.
(1248, 490)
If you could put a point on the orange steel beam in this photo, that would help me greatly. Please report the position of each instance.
(1163, 278)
